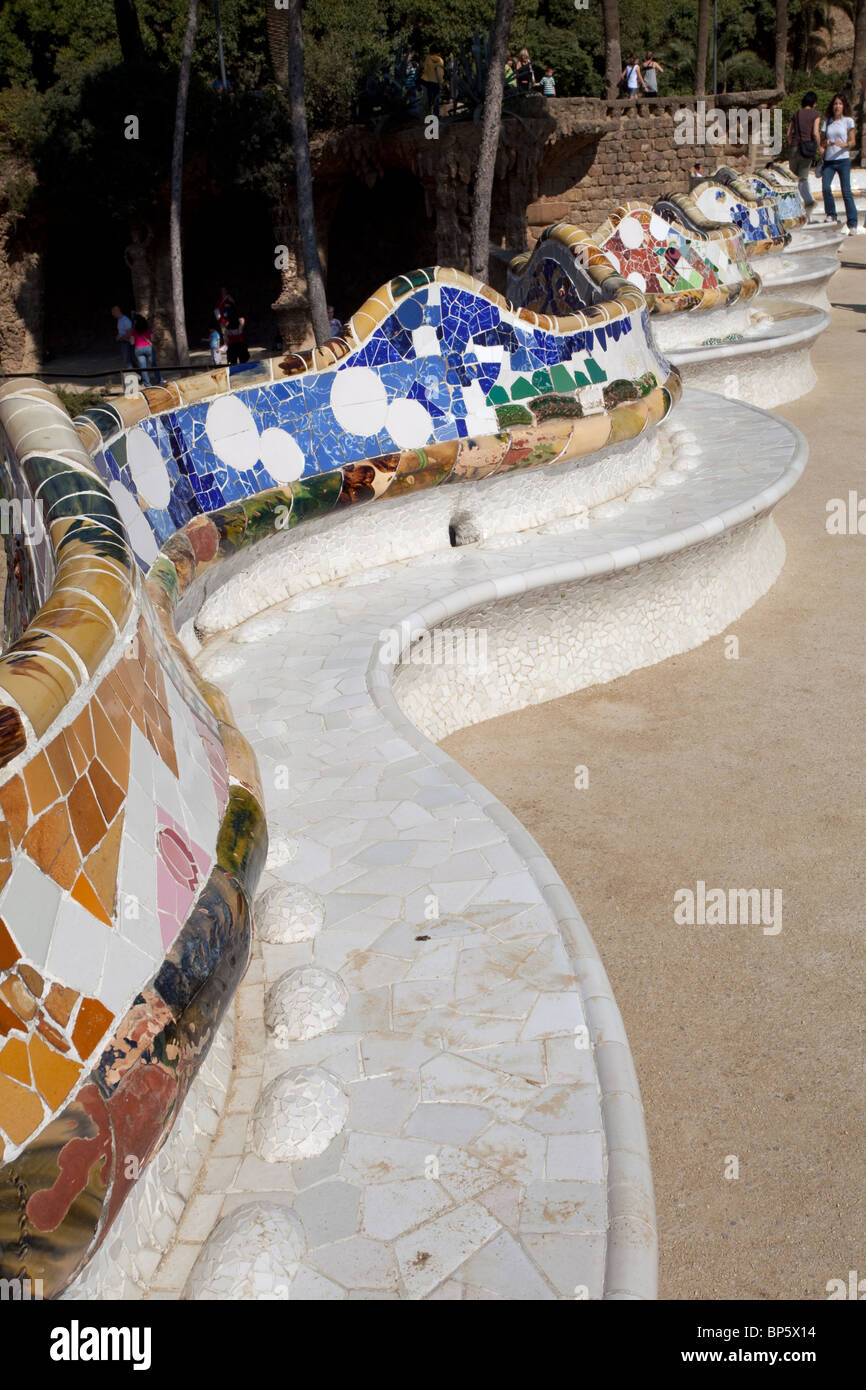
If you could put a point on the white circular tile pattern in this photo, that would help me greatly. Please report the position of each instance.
(409, 424)
(305, 1003)
(658, 228)
(635, 278)
(298, 1115)
(282, 456)
(141, 538)
(233, 432)
(254, 1253)
(288, 912)
(631, 232)
(359, 400)
(282, 848)
(148, 469)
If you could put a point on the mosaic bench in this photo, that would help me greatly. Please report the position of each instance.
(133, 834)
(701, 292)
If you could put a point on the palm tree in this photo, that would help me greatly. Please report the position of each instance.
(174, 230)
(781, 43)
(612, 49)
(489, 141)
(701, 51)
(128, 30)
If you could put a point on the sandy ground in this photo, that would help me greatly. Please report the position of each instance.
(741, 773)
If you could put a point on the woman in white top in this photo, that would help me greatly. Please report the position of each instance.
(837, 141)
(631, 75)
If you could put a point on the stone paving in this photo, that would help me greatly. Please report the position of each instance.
(433, 1093)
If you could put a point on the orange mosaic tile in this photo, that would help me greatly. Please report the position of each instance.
(53, 1075)
(9, 952)
(60, 1002)
(42, 788)
(13, 800)
(114, 708)
(88, 824)
(91, 1024)
(14, 1061)
(32, 979)
(9, 1021)
(49, 844)
(83, 730)
(84, 893)
(20, 1110)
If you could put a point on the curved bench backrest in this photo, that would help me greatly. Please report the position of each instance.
(711, 205)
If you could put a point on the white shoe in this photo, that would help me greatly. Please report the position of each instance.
(858, 231)
(846, 231)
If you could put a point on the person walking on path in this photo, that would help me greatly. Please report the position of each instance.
(804, 140)
(235, 337)
(631, 76)
(124, 336)
(142, 344)
(432, 77)
(837, 141)
(651, 69)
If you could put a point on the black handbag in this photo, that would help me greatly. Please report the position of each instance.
(808, 148)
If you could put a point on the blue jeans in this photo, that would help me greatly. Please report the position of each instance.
(145, 358)
(843, 166)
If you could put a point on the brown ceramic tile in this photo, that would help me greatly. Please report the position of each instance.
(47, 839)
(13, 800)
(83, 730)
(53, 1075)
(113, 754)
(60, 1002)
(14, 1061)
(32, 979)
(21, 1110)
(108, 793)
(42, 788)
(83, 892)
(62, 765)
(16, 994)
(9, 952)
(88, 824)
(92, 1023)
(101, 866)
(52, 1036)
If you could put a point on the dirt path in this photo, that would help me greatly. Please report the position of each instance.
(739, 773)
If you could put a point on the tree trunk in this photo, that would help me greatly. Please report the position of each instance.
(701, 48)
(128, 30)
(489, 142)
(174, 228)
(304, 176)
(858, 70)
(612, 49)
(781, 43)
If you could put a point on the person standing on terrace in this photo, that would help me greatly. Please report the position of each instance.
(804, 139)
(837, 141)
(651, 69)
(524, 74)
(432, 77)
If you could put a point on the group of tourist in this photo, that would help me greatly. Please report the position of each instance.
(829, 141)
(136, 344)
(645, 75)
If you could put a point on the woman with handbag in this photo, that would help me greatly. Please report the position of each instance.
(803, 141)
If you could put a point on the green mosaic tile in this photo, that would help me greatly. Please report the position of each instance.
(557, 407)
(523, 390)
(497, 395)
(512, 415)
(561, 378)
(595, 373)
(541, 380)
